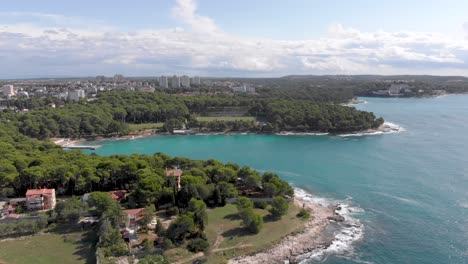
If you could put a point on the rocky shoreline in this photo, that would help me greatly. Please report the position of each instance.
(290, 248)
(386, 128)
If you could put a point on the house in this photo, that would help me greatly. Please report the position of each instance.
(10, 209)
(176, 173)
(40, 199)
(133, 216)
(118, 195)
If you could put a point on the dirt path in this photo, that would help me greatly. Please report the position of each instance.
(198, 255)
(240, 245)
(219, 240)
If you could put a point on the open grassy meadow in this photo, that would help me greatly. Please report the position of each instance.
(226, 118)
(74, 247)
(144, 126)
(228, 239)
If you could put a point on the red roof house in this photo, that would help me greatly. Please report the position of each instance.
(40, 199)
(118, 195)
(176, 173)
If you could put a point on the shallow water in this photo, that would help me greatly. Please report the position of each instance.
(409, 189)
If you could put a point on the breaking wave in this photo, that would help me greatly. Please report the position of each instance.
(346, 233)
(386, 128)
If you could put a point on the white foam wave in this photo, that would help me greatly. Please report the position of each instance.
(355, 102)
(386, 128)
(349, 231)
(285, 133)
(463, 204)
(401, 199)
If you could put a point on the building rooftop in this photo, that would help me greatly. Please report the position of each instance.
(44, 191)
(138, 212)
(118, 195)
(174, 172)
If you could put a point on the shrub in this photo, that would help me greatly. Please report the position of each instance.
(198, 245)
(261, 204)
(153, 259)
(172, 211)
(160, 230)
(167, 244)
(303, 213)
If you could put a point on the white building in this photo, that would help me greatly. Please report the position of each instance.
(175, 82)
(243, 89)
(395, 89)
(75, 95)
(185, 81)
(163, 82)
(9, 90)
(195, 80)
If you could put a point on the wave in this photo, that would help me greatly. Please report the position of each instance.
(301, 134)
(346, 234)
(401, 199)
(463, 204)
(385, 128)
(355, 102)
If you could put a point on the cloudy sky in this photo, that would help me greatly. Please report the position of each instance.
(56, 38)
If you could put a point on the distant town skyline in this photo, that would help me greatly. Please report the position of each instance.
(53, 38)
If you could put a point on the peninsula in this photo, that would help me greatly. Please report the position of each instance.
(151, 206)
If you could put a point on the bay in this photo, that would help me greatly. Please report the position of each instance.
(409, 189)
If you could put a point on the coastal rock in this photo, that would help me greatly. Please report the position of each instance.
(297, 244)
(336, 218)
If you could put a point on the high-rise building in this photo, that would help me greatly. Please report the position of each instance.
(119, 78)
(9, 90)
(175, 81)
(195, 80)
(163, 82)
(185, 81)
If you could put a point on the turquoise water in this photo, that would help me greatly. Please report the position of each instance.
(411, 187)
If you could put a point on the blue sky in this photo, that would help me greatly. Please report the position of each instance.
(232, 38)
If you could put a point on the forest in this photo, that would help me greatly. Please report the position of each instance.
(111, 113)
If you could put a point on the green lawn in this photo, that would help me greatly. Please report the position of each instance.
(145, 126)
(224, 229)
(226, 118)
(77, 248)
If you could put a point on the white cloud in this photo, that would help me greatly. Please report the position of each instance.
(185, 10)
(73, 47)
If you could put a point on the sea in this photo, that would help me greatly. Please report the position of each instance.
(404, 194)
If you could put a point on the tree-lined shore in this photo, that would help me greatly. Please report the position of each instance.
(112, 113)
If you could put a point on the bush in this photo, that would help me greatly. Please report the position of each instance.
(153, 259)
(198, 245)
(167, 244)
(160, 230)
(148, 245)
(172, 211)
(260, 204)
(303, 213)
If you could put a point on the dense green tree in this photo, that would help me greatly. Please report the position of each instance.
(69, 209)
(182, 227)
(198, 208)
(279, 207)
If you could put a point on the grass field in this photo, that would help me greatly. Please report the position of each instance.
(226, 118)
(77, 248)
(145, 126)
(228, 239)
